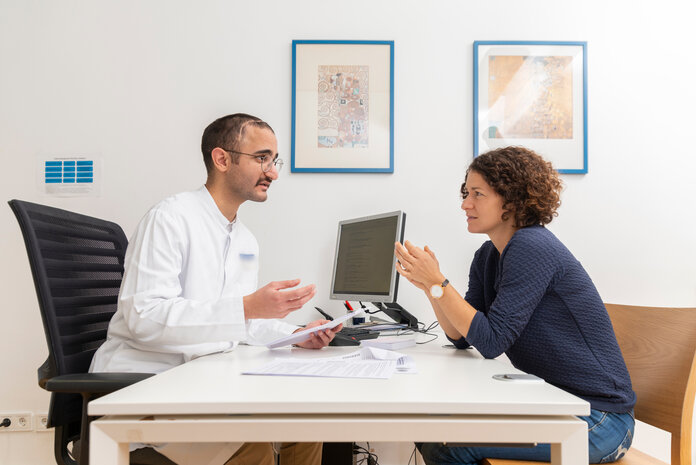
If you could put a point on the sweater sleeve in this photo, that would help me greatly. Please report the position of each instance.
(528, 268)
(474, 294)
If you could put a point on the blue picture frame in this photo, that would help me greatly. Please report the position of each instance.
(339, 126)
(533, 94)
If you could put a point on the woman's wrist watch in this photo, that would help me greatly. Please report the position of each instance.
(438, 290)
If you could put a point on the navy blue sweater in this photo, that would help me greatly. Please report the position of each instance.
(537, 304)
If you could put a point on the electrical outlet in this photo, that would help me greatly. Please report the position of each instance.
(41, 422)
(18, 421)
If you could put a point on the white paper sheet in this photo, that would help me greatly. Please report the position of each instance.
(303, 335)
(404, 363)
(382, 369)
(368, 362)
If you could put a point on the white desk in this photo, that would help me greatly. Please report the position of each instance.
(453, 398)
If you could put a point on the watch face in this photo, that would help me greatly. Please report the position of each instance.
(436, 291)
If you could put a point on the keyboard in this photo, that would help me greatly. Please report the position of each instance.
(358, 333)
(349, 336)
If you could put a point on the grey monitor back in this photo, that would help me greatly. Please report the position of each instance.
(364, 261)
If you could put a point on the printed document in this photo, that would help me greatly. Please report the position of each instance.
(368, 362)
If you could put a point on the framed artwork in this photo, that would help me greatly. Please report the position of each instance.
(342, 106)
(532, 94)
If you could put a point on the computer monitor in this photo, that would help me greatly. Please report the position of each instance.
(364, 263)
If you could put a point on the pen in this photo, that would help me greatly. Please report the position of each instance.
(348, 307)
(326, 315)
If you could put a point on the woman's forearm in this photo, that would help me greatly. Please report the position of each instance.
(453, 312)
(420, 267)
(445, 324)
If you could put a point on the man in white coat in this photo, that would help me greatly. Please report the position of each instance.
(190, 282)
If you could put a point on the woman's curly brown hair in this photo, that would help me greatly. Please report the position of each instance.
(528, 184)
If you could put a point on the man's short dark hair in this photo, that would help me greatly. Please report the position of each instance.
(227, 133)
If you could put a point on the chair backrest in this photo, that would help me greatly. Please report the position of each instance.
(77, 265)
(659, 347)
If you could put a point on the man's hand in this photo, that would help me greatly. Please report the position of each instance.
(320, 338)
(272, 302)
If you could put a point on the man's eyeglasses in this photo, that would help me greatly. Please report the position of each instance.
(266, 161)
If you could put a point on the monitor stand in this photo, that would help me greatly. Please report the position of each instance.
(397, 313)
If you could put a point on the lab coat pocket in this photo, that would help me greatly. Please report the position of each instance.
(249, 261)
(248, 272)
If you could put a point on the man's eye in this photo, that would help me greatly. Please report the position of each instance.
(262, 159)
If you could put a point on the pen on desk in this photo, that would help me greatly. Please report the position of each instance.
(348, 307)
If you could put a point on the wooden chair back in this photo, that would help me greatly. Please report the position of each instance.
(659, 347)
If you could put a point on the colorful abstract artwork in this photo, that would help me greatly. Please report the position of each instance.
(530, 97)
(343, 110)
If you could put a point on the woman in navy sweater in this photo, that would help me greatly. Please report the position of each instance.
(529, 298)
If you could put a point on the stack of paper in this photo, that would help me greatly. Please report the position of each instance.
(390, 342)
(366, 363)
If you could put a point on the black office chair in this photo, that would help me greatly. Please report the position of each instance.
(77, 265)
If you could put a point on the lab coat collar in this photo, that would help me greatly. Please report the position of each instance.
(212, 208)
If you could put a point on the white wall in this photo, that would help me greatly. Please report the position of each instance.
(136, 82)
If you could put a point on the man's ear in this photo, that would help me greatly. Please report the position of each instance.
(221, 160)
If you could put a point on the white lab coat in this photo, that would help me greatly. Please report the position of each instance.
(187, 269)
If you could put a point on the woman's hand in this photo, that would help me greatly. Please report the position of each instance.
(419, 266)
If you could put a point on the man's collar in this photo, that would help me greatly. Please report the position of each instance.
(212, 207)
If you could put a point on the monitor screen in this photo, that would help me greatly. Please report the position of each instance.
(364, 261)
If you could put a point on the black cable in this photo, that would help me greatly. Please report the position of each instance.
(421, 326)
(372, 312)
(413, 456)
(5, 423)
(422, 329)
(370, 458)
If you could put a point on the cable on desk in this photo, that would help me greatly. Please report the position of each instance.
(421, 326)
(422, 329)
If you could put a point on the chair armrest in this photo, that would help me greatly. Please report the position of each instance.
(97, 383)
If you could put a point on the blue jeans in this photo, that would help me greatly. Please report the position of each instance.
(609, 434)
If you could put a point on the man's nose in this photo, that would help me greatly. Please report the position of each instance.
(273, 172)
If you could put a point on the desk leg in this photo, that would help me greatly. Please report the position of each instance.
(105, 450)
(572, 450)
